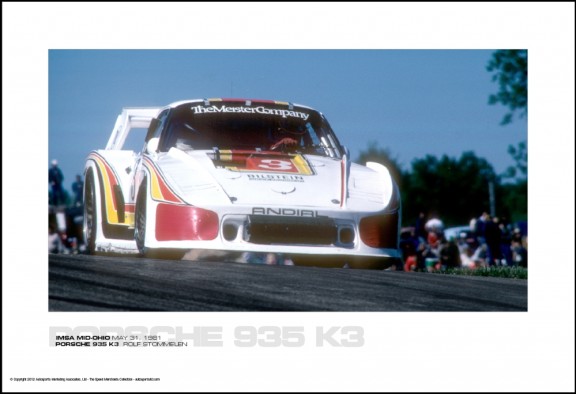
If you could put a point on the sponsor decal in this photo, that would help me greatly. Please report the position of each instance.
(265, 163)
(275, 178)
(284, 113)
(306, 213)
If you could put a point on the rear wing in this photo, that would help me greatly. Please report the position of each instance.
(130, 118)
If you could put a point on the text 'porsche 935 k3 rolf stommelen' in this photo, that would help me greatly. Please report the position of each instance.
(238, 175)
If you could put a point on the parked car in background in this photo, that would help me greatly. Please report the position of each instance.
(458, 232)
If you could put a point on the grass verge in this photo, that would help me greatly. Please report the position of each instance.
(500, 272)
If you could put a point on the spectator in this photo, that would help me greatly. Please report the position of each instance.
(480, 256)
(480, 230)
(421, 253)
(517, 235)
(427, 258)
(519, 254)
(505, 241)
(435, 225)
(472, 225)
(78, 189)
(55, 244)
(433, 239)
(435, 228)
(409, 243)
(419, 227)
(411, 264)
(55, 177)
(466, 257)
(493, 238)
(449, 254)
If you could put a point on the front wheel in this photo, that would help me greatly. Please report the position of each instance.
(140, 221)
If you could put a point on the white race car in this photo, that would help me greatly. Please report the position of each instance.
(238, 175)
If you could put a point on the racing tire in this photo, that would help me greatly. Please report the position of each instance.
(90, 226)
(140, 221)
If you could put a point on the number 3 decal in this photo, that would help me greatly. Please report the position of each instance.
(279, 165)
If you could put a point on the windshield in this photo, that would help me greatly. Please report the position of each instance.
(260, 127)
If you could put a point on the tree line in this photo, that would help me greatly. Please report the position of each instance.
(454, 189)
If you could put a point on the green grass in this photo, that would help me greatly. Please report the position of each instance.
(500, 272)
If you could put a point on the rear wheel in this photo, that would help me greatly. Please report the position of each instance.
(90, 214)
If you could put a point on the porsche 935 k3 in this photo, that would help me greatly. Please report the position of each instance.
(238, 175)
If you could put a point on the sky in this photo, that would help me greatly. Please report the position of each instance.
(412, 103)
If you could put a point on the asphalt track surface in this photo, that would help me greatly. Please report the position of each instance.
(102, 283)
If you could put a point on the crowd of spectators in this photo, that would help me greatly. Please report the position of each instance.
(486, 242)
(64, 213)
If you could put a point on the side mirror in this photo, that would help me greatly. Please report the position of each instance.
(152, 145)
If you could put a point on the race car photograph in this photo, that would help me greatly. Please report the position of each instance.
(238, 176)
